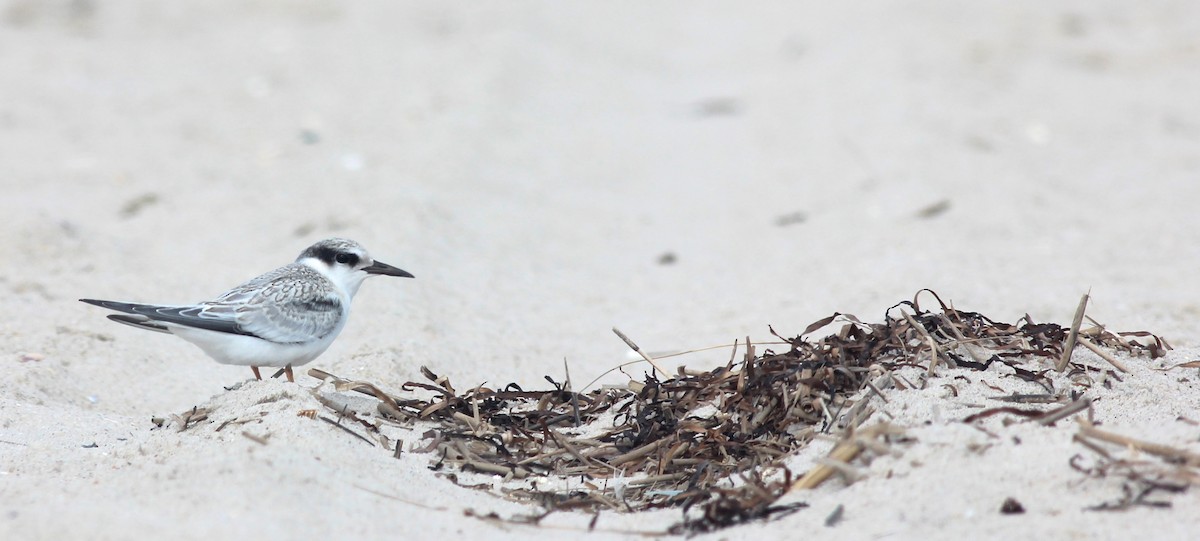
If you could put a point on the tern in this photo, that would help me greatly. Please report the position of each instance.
(284, 318)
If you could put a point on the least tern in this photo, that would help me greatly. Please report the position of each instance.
(285, 318)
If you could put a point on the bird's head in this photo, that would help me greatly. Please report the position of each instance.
(346, 263)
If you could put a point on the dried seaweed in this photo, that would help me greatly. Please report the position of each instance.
(1174, 472)
(1043, 417)
(190, 418)
(717, 440)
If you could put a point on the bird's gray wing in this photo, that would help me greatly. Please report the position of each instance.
(191, 316)
(288, 305)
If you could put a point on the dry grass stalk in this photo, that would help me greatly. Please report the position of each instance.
(1172, 454)
(639, 351)
(1074, 335)
(261, 440)
(933, 349)
(845, 451)
(1065, 411)
(1103, 354)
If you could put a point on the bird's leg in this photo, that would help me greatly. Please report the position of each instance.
(256, 374)
(288, 370)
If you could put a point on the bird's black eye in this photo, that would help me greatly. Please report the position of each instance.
(346, 259)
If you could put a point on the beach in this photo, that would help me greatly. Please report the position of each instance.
(690, 174)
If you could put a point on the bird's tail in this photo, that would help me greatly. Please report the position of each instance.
(141, 322)
(127, 307)
(133, 320)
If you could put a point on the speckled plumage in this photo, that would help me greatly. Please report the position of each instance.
(293, 303)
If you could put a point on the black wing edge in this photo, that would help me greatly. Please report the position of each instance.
(139, 322)
(166, 314)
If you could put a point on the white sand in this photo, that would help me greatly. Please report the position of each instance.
(530, 164)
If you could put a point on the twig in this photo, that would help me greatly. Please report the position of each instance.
(735, 344)
(256, 439)
(568, 387)
(1103, 354)
(397, 498)
(1074, 335)
(189, 418)
(1065, 411)
(933, 348)
(1157, 449)
(347, 429)
(849, 473)
(650, 480)
(488, 467)
(844, 452)
(669, 355)
(340, 384)
(959, 338)
(639, 351)
(636, 453)
(875, 388)
(466, 419)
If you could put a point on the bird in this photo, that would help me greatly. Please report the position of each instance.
(283, 318)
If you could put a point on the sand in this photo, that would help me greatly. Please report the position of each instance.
(690, 174)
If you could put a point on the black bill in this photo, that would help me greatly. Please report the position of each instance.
(386, 270)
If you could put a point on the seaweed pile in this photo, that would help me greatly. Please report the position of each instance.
(718, 439)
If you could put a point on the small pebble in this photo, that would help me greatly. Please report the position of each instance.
(1011, 507)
